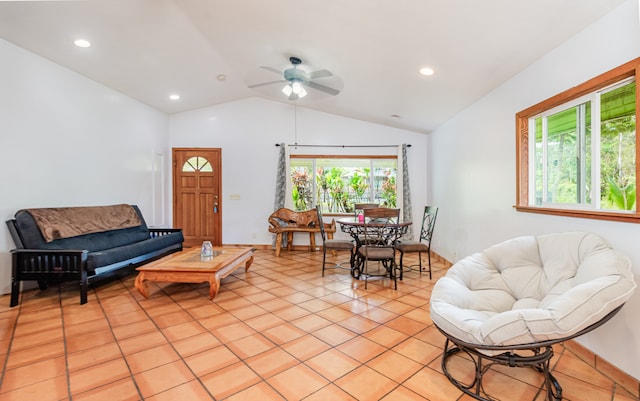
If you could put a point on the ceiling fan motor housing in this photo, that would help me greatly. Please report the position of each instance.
(293, 74)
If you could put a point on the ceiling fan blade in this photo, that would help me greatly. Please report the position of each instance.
(320, 74)
(266, 83)
(274, 70)
(322, 88)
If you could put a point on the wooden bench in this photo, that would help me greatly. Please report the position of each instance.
(287, 221)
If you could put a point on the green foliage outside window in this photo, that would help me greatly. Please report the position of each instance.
(566, 141)
(337, 184)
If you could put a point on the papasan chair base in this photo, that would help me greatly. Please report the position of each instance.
(534, 355)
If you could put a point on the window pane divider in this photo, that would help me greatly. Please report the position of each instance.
(596, 196)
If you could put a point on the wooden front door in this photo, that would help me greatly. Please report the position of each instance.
(197, 201)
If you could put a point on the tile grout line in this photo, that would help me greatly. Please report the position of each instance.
(301, 362)
(278, 346)
(358, 335)
(64, 343)
(262, 379)
(169, 341)
(13, 332)
(123, 356)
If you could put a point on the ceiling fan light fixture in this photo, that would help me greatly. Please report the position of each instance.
(296, 88)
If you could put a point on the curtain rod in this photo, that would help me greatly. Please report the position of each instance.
(344, 146)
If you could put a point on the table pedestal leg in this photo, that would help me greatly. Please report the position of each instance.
(141, 285)
(214, 286)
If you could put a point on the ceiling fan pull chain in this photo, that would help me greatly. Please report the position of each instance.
(295, 122)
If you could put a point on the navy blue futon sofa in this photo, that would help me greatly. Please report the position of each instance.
(83, 257)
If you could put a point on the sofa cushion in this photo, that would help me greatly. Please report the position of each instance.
(531, 289)
(132, 251)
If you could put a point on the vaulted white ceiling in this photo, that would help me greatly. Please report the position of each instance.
(148, 49)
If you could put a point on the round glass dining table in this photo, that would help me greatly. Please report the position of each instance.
(355, 227)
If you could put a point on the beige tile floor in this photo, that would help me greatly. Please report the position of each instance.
(278, 332)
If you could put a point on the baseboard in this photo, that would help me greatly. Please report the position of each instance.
(434, 256)
(629, 383)
(439, 259)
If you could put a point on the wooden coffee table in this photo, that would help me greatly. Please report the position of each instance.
(189, 267)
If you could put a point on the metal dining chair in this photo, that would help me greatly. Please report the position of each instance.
(424, 244)
(380, 234)
(359, 207)
(334, 244)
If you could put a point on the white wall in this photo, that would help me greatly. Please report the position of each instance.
(473, 168)
(247, 131)
(68, 141)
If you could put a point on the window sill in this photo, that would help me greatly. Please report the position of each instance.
(584, 214)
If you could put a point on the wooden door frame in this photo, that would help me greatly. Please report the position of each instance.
(218, 176)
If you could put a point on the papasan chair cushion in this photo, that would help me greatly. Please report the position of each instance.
(531, 289)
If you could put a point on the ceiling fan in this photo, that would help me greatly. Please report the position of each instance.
(297, 79)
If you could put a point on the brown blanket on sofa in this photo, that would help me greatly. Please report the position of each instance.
(64, 222)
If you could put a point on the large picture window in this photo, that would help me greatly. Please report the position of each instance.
(577, 151)
(336, 184)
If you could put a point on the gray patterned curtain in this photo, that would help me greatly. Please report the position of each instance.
(281, 179)
(281, 187)
(406, 192)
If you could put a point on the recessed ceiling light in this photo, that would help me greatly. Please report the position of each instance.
(174, 97)
(427, 71)
(221, 77)
(82, 43)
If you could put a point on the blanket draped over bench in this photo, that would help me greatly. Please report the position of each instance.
(65, 222)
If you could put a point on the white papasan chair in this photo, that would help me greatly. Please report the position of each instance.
(510, 303)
